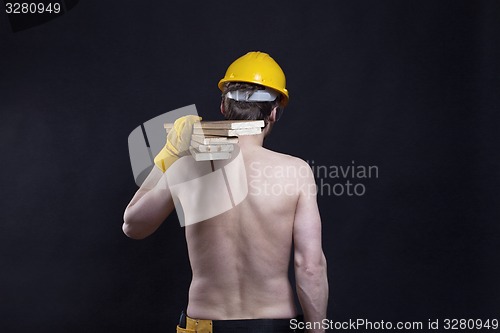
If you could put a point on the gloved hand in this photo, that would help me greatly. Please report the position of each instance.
(178, 142)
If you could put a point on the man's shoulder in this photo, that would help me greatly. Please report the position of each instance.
(289, 160)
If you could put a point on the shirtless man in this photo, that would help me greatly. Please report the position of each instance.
(240, 258)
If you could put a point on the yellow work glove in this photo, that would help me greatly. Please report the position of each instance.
(178, 142)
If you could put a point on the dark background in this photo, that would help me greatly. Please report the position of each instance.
(409, 86)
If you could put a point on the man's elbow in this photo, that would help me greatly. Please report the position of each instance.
(130, 228)
(314, 268)
(132, 232)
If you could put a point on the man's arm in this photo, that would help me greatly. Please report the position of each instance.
(310, 263)
(149, 207)
(152, 203)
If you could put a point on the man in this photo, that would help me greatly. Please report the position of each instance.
(240, 257)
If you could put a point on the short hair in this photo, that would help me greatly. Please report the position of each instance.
(241, 110)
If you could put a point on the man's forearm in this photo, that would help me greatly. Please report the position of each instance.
(312, 290)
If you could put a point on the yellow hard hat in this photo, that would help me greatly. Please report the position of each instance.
(259, 68)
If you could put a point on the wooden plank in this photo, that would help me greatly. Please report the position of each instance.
(224, 124)
(199, 156)
(212, 148)
(230, 124)
(210, 140)
(228, 132)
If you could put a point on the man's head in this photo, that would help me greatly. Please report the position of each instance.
(240, 102)
(253, 89)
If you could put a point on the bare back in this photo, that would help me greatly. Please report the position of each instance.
(240, 258)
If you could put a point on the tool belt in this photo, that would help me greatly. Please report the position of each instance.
(195, 326)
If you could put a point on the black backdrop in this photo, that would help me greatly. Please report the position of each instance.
(411, 87)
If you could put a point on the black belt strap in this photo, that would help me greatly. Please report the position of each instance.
(249, 325)
(253, 326)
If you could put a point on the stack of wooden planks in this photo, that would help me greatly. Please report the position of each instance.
(214, 140)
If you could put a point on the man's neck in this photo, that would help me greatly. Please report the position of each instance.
(251, 140)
